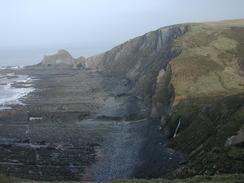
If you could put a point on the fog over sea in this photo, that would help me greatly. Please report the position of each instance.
(31, 56)
(31, 29)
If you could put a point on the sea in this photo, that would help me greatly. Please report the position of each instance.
(13, 88)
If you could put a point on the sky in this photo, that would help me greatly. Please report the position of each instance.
(30, 29)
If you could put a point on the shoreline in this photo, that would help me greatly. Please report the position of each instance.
(72, 121)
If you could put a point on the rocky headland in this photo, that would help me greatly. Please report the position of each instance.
(168, 103)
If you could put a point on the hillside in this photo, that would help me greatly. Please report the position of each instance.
(191, 76)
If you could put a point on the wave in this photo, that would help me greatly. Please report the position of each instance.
(13, 88)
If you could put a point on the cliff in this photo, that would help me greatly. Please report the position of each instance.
(141, 59)
(191, 76)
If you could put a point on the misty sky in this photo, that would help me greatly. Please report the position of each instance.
(31, 28)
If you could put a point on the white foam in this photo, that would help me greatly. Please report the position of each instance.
(35, 118)
(10, 95)
(10, 74)
(12, 67)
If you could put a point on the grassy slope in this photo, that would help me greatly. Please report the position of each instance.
(209, 84)
(199, 179)
(211, 60)
(210, 66)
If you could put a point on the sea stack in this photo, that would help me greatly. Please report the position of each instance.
(62, 59)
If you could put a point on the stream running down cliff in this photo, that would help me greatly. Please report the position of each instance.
(81, 125)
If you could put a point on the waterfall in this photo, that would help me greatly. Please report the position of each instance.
(86, 65)
(177, 128)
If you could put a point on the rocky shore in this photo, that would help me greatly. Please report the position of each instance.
(81, 125)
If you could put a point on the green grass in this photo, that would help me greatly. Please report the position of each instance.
(197, 179)
(5, 179)
(210, 62)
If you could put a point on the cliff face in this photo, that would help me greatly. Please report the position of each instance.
(141, 59)
(191, 76)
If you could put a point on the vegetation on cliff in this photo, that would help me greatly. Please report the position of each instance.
(200, 179)
(191, 76)
(208, 83)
